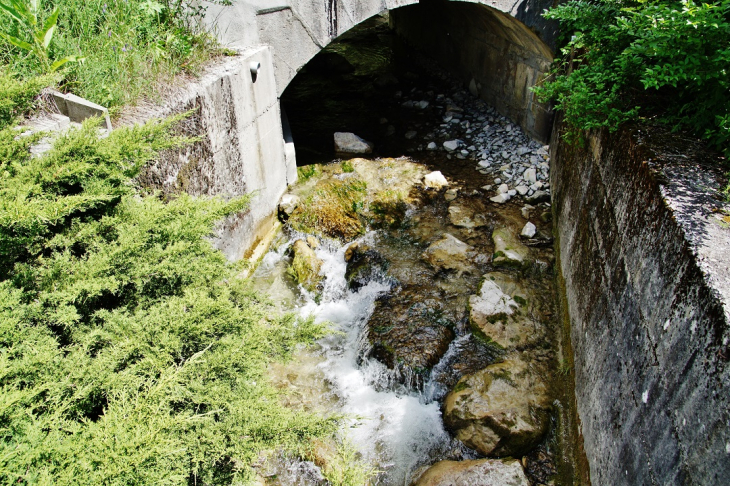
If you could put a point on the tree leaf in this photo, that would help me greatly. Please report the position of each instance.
(48, 28)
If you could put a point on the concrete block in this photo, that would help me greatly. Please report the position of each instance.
(78, 109)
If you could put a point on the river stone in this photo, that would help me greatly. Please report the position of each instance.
(508, 250)
(529, 230)
(500, 198)
(451, 145)
(305, 266)
(349, 143)
(500, 313)
(451, 194)
(435, 180)
(408, 330)
(502, 410)
(363, 265)
(466, 217)
(482, 472)
(288, 204)
(449, 253)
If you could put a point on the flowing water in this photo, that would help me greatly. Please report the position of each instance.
(393, 406)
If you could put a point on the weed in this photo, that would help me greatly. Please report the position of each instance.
(347, 166)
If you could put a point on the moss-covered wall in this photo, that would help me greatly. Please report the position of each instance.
(648, 322)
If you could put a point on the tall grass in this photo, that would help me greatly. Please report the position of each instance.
(130, 46)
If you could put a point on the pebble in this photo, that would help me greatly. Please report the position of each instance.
(432, 146)
(502, 189)
(411, 134)
(451, 145)
(529, 230)
(497, 180)
(500, 198)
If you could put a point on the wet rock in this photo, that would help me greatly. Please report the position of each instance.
(435, 180)
(363, 265)
(502, 410)
(501, 313)
(482, 472)
(305, 266)
(409, 331)
(508, 250)
(465, 216)
(349, 143)
(287, 205)
(449, 253)
(529, 230)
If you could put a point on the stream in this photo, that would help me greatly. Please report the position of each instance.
(424, 284)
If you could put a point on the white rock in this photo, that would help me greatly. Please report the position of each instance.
(349, 143)
(502, 189)
(529, 230)
(488, 187)
(432, 146)
(523, 150)
(500, 198)
(452, 145)
(288, 203)
(522, 190)
(435, 180)
(497, 180)
(483, 163)
(512, 192)
(530, 175)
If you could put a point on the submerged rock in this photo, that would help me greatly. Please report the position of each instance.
(363, 264)
(503, 410)
(482, 472)
(508, 250)
(349, 143)
(408, 330)
(501, 313)
(465, 216)
(305, 266)
(449, 253)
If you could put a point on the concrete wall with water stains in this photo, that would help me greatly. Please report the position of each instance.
(242, 148)
(499, 57)
(646, 261)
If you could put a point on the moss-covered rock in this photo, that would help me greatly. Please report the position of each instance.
(305, 266)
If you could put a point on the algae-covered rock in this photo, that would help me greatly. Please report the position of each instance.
(331, 209)
(449, 253)
(305, 266)
(502, 410)
(363, 264)
(482, 472)
(508, 250)
(501, 313)
(408, 330)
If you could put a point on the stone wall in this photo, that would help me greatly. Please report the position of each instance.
(645, 255)
(242, 149)
(498, 56)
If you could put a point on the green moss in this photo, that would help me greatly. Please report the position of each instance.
(520, 300)
(347, 166)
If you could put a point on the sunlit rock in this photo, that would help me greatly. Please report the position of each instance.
(502, 410)
(305, 266)
(482, 472)
(349, 143)
(449, 253)
(508, 250)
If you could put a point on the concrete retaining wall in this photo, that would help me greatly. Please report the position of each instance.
(499, 56)
(242, 148)
(646, 263)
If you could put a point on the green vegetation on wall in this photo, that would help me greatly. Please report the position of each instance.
(663, 61)
(130, 352)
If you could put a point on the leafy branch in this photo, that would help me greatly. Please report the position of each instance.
(39, 34)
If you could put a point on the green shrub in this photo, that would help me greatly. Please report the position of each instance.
(664, 61)
(130, 352)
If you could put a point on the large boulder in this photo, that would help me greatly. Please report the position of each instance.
(482, 472)
(409, 331)
(305, 266)
(508, 249)
(501, 313)
(449, 253)
(347, 143)
(502, 410)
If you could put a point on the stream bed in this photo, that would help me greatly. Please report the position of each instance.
(447, 338)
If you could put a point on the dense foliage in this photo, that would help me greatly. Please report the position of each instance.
(662, 60)
(128, 46)
(130, 352)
